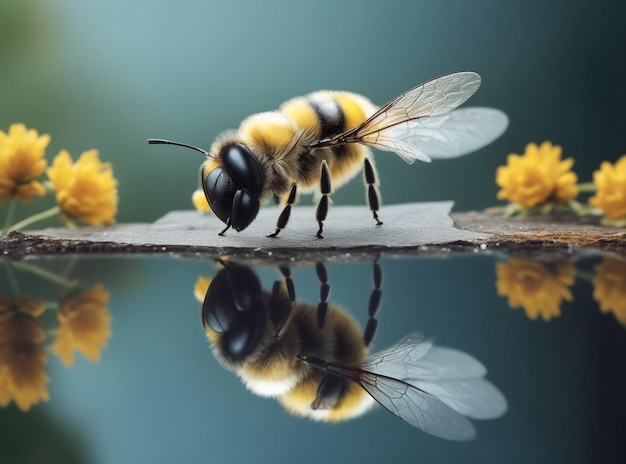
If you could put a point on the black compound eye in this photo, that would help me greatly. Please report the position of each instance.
(244, 210)
(234, 308)
(219, 191)
(243, 167)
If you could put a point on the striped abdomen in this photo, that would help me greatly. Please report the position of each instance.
(280, 140)
(325, 114)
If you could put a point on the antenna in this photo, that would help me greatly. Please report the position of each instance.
(169, 142)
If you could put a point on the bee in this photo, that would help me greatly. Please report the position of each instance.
(315, 360)
(316, 143)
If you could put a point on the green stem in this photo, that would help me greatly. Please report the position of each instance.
(585, 275)
(53, 305)
(589, 187)
(35, 218)
(10, 213)
(69, 267)
(51, 276)
(510, 210)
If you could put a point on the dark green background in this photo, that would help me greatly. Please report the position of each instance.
(108, 75)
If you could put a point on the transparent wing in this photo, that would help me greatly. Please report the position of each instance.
(420, 123)
(417, 407)
(432, 98)
(449, 135)
(475, 398)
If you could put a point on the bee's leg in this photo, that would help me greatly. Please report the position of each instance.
(322, 206)
(282, 306)
(284, 215)
(291, 289)
(328, 392)
(372, 190)
(322, 306)
(221, 234)
(374, 303)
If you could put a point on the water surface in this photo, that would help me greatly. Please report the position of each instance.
(158, 394)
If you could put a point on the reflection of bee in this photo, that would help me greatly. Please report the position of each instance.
(321, 141)
(314, 360)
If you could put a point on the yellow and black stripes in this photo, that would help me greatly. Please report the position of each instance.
(329, 113)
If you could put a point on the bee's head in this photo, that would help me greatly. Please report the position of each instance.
(232, 181)
(233, 309)
(232, 184)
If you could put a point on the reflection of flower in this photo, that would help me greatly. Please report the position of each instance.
(610, 181)
(198, 198)
(201, 287)
(24, 304)
(537, 287)
(22, 162)
(85, 190)
(22, 356)
(609, 288)
(83, 325)
(538, 177)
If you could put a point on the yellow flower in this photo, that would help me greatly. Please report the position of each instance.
(201, 287)
(198, 198)
(22, 355)
(536, 287)
(537, 178)
(83, 326)
(609, 288)
(611, 183)
(22, 162)
(85, 190)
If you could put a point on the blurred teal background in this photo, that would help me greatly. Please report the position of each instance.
(108, 75)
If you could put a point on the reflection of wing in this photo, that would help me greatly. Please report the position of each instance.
(414, 357)
(418, 408)
(420, 123)
(393, 361)
(454, 377)
(430, 387)
(475, 398)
